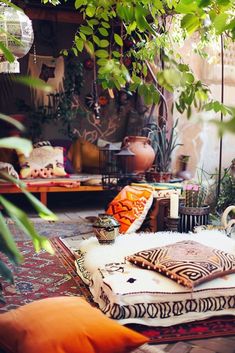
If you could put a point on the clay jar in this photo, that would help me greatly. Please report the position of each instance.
(144, 153)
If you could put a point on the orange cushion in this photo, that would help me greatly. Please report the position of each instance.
(90, 157)
(84, 156)
(130, 207)
(64, 325)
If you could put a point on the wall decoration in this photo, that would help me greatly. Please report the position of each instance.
(47, 72)
(50, 70)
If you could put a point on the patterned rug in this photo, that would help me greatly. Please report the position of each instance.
(209, 328)
(56, 229)
(43, 275)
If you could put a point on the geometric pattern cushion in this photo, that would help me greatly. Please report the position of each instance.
(43, 162)
(187, 262)
(64, 325)
(130, 207)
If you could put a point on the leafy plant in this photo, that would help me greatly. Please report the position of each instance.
(163, 142)
(154, 29)
(227, 192)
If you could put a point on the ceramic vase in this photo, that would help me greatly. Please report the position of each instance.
(106, 228)
(144, 154)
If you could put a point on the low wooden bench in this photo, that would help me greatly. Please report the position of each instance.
(44, 190)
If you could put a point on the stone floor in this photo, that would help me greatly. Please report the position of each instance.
(69, 212)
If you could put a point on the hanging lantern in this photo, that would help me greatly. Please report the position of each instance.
(16, 35)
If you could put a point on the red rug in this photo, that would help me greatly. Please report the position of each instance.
(213, 327)
(43, 275)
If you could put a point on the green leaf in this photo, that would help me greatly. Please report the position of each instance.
(131, 27)
(79, 3)
(223, 2)
(183, 67)
(7, 243)
(7, 54)
(82, 35)
(103, 31)
(155, 96)
(93, 22)
(104, 43)
(34, 82)
(190, 23)
(172, 77)
(75, 51)
(204, 3)
(140, 19)
(118, 39)
(189, 78)
(23, 222)
(116, 54)
(12, 121)
(42, 210)
(90, 10)
(101, 53)
(79, 43)
(96, 39)
(105, 24)
(102, 62)
(86, 30)
(186, 7)
(220, 22)
(20, 144)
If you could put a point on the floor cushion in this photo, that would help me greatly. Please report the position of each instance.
(64, 325)
(187, 262)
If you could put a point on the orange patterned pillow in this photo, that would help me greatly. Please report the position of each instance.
(130, 207)
(43, 162)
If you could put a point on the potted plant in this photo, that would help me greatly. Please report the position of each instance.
(194, 211)
(164, 142)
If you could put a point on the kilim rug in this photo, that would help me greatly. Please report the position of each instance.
(43, 275)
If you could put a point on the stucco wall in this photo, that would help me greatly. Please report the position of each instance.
(200, 139)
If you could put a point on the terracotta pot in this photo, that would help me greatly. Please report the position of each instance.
(144, 153)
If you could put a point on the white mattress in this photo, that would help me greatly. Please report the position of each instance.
(134, 295)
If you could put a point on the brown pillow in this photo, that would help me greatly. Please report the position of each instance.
(84, 156)
(90, 157)
(187, 262)
(75, 155)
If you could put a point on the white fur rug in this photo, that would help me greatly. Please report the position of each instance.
(97, 255)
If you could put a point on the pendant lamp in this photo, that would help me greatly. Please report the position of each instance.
(16, 34)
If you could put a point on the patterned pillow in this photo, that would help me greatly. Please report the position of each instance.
(187, 262)
(130, 207)
(43, 162)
